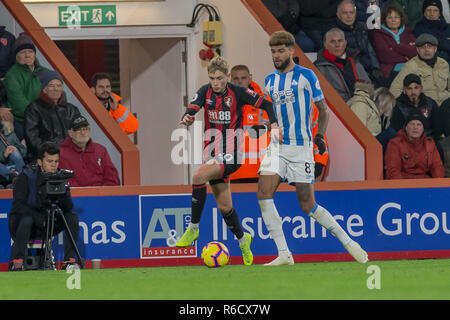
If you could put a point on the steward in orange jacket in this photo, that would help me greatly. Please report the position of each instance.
(101, 85)
(256, 139)
(321, 160)
(124, 118)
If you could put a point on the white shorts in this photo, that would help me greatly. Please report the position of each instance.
(291, 162)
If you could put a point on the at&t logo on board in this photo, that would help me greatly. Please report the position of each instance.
(162, 222)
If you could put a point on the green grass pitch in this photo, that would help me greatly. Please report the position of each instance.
(402, 279)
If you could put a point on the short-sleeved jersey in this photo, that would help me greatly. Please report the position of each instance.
(292, 94)
(223, 117)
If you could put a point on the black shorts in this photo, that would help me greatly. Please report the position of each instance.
(227, 169)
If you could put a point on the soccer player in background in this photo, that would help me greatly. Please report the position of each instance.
(292, 89)
(222, 102)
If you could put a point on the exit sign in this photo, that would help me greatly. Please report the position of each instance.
(76, 16)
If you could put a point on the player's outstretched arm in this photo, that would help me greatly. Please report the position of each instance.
(187, 120)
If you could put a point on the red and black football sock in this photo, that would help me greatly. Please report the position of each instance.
(198, 201)
(232, 220)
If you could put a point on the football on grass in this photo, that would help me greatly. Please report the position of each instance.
(215, 254)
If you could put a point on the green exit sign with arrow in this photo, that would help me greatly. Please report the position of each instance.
(76, 16)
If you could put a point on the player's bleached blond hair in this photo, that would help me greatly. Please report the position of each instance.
(279, 38)
(218, 64)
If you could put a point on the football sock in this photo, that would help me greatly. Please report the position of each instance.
(198, 202)
(326, 220)
(273, 223)
(232, 220)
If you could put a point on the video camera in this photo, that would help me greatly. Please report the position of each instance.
(56, 182)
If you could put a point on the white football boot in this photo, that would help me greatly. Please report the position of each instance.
(357, 252)
(284, 258)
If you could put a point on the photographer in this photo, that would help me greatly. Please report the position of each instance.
(28, 217)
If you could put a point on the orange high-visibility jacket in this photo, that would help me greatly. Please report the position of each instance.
(127, 122)
(320, 158)
(254, 148)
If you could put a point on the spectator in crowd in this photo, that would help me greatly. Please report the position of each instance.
(320, 160)
(101, 85)
(339, 65)
(316, 18)
(7, 58)
(287, 13)
(370, 113)
(444, 111)
(412, 9)
(357, 38)
(254, 121)
(48, 118)
(22, 83)
(90, 161)
(432, 70)
(434, 23)
(394, 42)
(412, 155)
(413, 99)
(385, 102)
(12, 153)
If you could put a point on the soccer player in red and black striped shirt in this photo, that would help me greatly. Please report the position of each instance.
(222, 102)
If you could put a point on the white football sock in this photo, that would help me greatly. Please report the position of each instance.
(326, 220)
(273, 223)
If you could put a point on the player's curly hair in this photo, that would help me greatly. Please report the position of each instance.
(218, 63)
(278, 38)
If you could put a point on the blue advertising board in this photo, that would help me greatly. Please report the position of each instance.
(146, 226)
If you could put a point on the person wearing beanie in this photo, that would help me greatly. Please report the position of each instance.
(49, 117)
(434, 23)
(413, 99)
(21, 82)
(412, 155)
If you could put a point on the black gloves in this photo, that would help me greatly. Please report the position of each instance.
(320, 143)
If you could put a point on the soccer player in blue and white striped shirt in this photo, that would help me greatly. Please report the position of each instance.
(292, 89)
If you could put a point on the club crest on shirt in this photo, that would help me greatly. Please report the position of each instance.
(251, 92)
(228, 101)
(4, 41)
(99, 161)
(426, 113)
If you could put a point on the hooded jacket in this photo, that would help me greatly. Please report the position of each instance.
(365, 108)
(412, 159)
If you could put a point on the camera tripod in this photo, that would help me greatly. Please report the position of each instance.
(53, 210)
